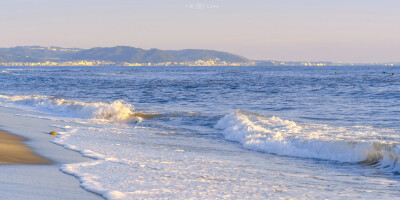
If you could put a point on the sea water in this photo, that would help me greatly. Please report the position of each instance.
(221, 132)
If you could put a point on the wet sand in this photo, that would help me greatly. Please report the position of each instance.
(35, 181)
(13, 151)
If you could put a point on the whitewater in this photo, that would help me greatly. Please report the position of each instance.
(218, 133)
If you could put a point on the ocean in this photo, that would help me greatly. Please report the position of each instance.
(221, 132)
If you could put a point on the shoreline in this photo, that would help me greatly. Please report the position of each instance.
(32, 180)
(14, 152)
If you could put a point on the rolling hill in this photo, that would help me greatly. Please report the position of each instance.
(116, 54)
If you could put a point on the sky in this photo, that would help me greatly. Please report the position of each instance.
(287, 30)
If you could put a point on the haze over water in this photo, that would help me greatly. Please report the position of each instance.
(307, 30)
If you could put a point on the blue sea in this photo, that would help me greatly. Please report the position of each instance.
(221, 132)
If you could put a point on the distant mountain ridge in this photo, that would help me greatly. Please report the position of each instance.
(113, 54)
(188, 55)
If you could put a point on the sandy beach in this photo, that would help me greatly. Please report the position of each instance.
(30, 162)
(13, 151)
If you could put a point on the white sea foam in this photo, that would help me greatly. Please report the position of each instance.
(150, 166)
(283, 137)
(8, 72)
(116, 111)
(135, 162)
(139, 164)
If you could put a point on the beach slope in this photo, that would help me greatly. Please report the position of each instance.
(30, 163)
(13, 151)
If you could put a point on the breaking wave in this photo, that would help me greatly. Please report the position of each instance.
(366, 145)
(116, 111)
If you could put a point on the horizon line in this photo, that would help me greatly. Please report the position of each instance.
(272, 60)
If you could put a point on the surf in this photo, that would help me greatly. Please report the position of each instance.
(117, 111)
(363, 145)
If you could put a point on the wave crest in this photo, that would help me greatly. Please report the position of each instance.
(284, 137)
(116, 111)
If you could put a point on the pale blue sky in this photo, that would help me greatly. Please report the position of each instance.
(293, 30)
